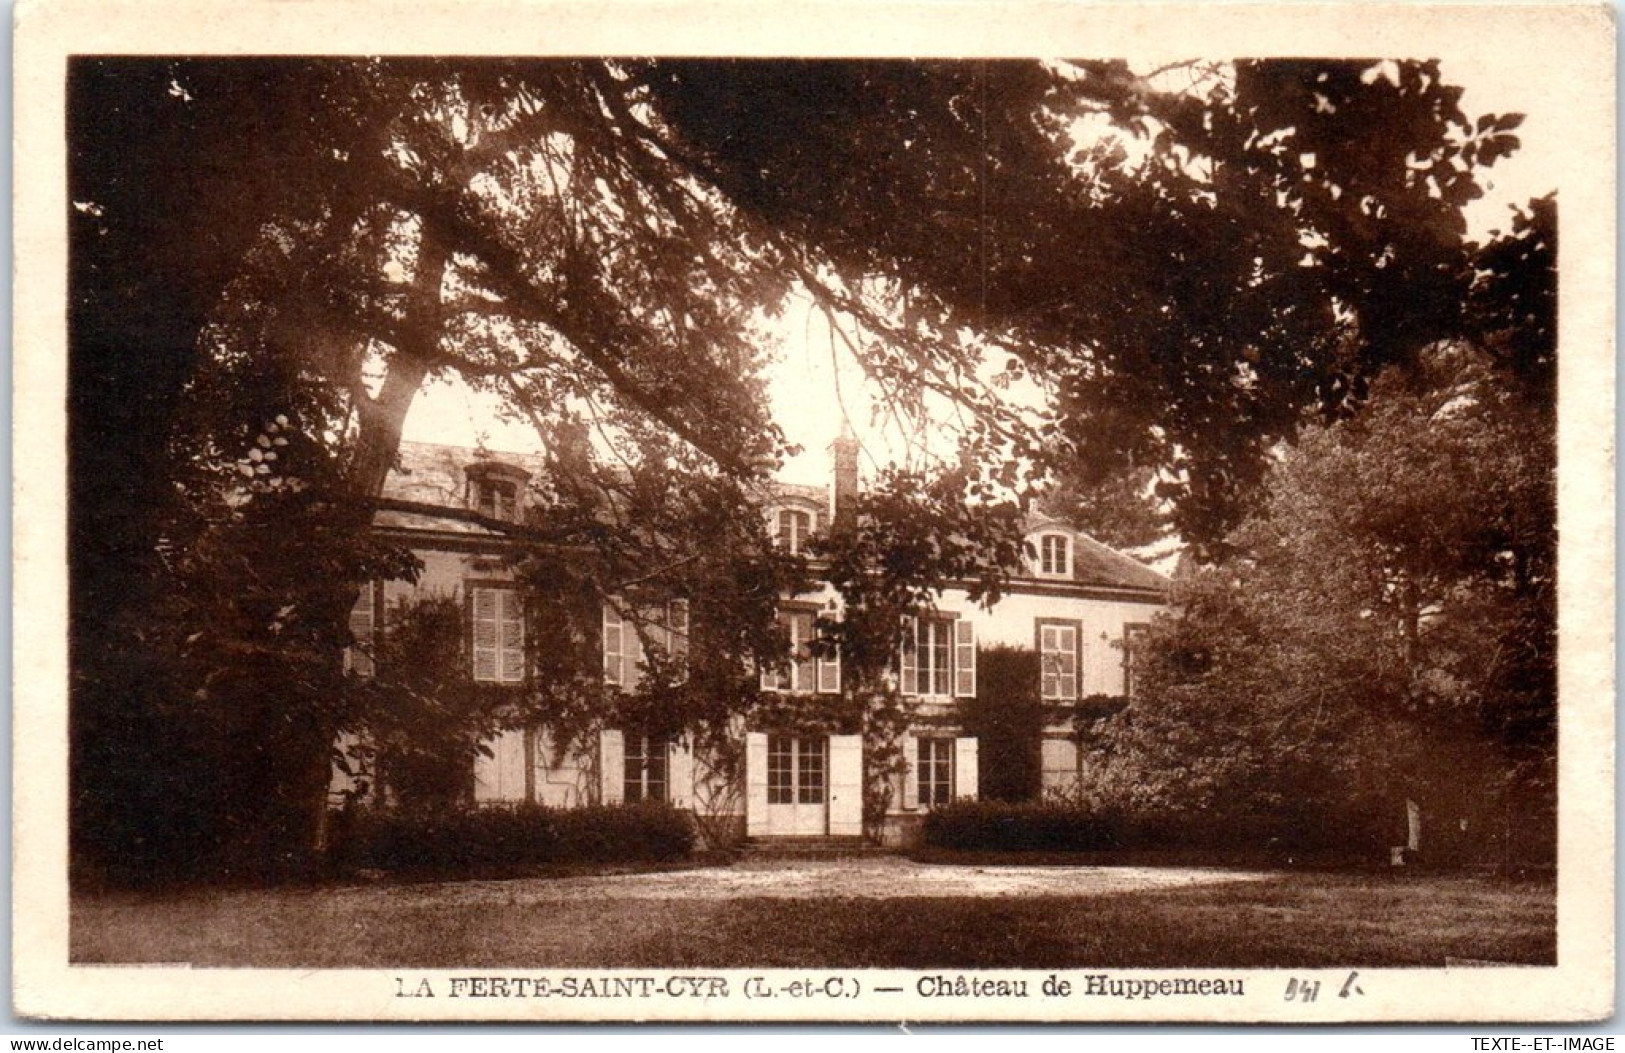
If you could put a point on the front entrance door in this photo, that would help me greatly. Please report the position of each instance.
(797, 786)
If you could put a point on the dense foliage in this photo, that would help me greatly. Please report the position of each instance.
(1385, 634)
(1185, 261)
(1007, 720)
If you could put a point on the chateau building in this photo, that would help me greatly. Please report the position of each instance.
(1078, 604)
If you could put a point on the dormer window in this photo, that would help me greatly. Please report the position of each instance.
(494, 490)
(497, 498)
(795, 527)
(1054, 556)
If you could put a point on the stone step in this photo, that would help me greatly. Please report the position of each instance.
(808, 847)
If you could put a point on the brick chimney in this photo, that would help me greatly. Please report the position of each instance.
(843, 486)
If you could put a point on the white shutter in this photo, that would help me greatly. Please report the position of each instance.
(771, 678)
(679, 774)
(755, 784)
(513, 636)
(1067, 635)
(487, 776)
(829, 675)
(911, 774)
(803, 671)
(485, 635)
(677, 633)
(846, 785)
(614, 646)
(632, 650)
(344, 777)
(964, 659)
(965, 779)
(908, 659)
(611, 767)
(359, 658)
(501, 776)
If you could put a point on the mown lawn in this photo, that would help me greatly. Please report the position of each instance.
(1290, 920)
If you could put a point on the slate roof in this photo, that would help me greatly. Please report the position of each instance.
(434, 474)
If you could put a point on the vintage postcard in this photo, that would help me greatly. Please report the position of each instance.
(820, 512)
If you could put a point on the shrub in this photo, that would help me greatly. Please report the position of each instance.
(1068, 826)
(623, 833)
(500, 837)
(994, 826)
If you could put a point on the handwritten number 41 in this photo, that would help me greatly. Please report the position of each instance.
(1308, 990)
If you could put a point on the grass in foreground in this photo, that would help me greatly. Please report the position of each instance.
(1297, 920)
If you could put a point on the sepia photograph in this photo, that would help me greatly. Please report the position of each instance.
(615, 533)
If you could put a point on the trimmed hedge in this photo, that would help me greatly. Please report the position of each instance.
(995, 826)
(500, 837)
(1055, 826)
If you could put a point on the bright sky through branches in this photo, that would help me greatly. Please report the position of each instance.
(816, 384)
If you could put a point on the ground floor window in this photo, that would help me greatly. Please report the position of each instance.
(646, 760)
(936, 768)
(795, 770)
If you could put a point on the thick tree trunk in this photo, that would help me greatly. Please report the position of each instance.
(378, 440)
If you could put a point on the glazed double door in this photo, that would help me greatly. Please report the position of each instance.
(797, 785)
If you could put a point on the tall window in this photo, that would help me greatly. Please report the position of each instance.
(1055, 556)
(646, 769)
(628, 639)
(933, 655)
(803, 672)
(936, 768)
(1058, 658)
(795, 527)
(499, 636)
(939, 658)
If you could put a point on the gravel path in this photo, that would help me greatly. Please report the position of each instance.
(880, 877)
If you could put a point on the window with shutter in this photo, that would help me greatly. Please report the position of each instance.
(936, 768)
(1058, 658)
(498, 636)
(629, 639)
(646, 768)
(928, 658)
(803, 672)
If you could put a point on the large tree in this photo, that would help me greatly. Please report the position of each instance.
(272, 257)
(1384, 635)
